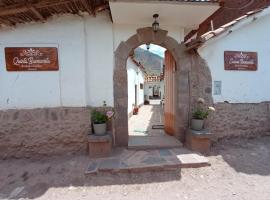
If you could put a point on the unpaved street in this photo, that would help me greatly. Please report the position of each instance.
(240, 169)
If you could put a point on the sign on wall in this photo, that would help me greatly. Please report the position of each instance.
(239, 60)
(217, 87)
(31, 58)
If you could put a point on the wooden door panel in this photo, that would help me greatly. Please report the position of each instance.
(169, 107)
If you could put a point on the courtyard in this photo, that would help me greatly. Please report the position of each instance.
(142, 131)
(240, 169)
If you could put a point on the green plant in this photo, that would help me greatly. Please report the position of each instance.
(99, 117)
(102, 116)
(201, 112)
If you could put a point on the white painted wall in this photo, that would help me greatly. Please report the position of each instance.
(86, 59)
(99, 75)
(135, 77)
(242, 86)
(149, 91)
(45, 89)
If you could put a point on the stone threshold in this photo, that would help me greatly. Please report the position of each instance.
(153, 142)
(125, 160)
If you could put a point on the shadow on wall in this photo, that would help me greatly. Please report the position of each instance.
(246, 155)
(35, 177)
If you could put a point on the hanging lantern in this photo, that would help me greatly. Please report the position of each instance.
(148, 46)
(155, 24)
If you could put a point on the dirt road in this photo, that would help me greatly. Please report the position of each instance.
(240, 169)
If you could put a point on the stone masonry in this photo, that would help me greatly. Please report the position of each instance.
(143, 36)
(245, 120)
(47, 131)
(193, 80)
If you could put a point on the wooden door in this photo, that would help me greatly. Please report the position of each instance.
(169, 87)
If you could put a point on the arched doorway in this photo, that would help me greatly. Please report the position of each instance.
(146, 36)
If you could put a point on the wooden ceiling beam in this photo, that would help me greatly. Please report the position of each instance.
(22, 7)
(6, 22)
(20, 12)
(102, 7)
(35, 11)
(87, 6)
(93, 7)
(13, 11)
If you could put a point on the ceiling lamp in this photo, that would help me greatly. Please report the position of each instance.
(148, 46)
(155, 24)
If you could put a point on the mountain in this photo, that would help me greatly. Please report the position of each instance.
(152, 63)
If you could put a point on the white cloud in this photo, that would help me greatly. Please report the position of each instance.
(155, 49)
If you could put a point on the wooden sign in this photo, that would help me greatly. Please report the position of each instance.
(31, 58)
(239, 60)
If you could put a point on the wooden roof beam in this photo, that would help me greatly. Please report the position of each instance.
(6, 22)
(93, 2)
(22, 7)
(87, 6)
(90, 6)
(35, 11)
(102, 7)
(13, 11)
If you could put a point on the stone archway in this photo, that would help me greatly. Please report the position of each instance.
(184, 63)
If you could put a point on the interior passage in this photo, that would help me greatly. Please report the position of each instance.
(146, 130)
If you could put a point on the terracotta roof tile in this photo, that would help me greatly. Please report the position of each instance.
(211, 34)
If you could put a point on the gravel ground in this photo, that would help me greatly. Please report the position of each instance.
(240, 169)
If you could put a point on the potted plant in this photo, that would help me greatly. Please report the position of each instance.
(200, 114)
(135, 109)
(99, 120)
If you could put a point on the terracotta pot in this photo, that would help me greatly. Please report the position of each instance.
(100, 129)
(135, 111)
(197, 124)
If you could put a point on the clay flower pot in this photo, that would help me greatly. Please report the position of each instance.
(135, 110)
(100, 129)
(197, 124)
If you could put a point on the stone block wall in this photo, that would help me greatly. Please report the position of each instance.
(245, 119)
(43, 132)
(200, 81)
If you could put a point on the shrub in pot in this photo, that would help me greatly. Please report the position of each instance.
(199, 115)
(99, 120)
(135, 110)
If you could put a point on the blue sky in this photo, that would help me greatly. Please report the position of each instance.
(155, 49)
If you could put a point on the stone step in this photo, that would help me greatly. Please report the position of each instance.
(153, 142)
(153, 147)
(124, 160)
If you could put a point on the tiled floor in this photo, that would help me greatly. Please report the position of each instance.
(141, 132)
(123, 160)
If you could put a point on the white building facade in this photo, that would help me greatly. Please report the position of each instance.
(248, 35)
(48, 112)
(241, 96)
(135, 86)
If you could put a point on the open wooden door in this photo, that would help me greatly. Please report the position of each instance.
(169, 85)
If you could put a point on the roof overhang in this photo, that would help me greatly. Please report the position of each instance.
(249, 17)
(18, 11)
(176, 13)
